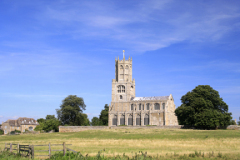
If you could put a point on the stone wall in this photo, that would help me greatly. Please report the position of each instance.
(83, 128)
(80, 128)
(236, 127)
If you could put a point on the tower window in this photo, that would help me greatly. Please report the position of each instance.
(121, 89)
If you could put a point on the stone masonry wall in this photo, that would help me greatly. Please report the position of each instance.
(80, 128)
(84, 128)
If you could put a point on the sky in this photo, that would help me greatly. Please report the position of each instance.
(52, 49)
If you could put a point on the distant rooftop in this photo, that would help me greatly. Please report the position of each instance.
(150, 98)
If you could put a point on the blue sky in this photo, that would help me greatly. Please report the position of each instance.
(52, 49)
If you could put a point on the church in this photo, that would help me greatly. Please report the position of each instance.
(127, 109)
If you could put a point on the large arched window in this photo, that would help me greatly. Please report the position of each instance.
(122, 120)
(114, 120)
(146, 119)
(130, 119)
(121, 89)
(138, 120)
(157, 106)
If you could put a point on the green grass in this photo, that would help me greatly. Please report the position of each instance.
(130, 134)
(156, 142)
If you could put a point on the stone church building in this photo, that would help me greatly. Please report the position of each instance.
(127, 109)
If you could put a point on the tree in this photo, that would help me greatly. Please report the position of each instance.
(70, 112)
(48, 124)
(41, 120)
(48, 117)
(203, 108)
(95, 121)
(104, 115)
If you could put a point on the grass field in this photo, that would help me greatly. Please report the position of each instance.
(156, 142)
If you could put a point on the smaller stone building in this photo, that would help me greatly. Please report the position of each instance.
(22, 124)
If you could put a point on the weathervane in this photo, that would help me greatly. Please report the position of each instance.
(123, 53)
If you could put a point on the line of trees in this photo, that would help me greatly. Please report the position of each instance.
(202, 108)
(71, 114)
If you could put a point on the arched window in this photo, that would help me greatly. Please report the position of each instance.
(130, 119)
(148, 106)
(126, 69)
(163, 106)
(131, 107)
(30, 128)
(114, 120)
(146, 119)
(157, 106)
(138, 120)
(122, 119)
(121, 69)
(121, 89)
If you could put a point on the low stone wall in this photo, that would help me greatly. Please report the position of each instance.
(84, 128)
(147, 127)
(80, 128)
(236, 127)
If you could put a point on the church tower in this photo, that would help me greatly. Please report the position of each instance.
(127, 109)
(123, 86)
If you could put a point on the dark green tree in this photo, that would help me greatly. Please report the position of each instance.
(48, 124)
(1, 132)
(232, 122)
(103, 118)
(41, 120)
(70, 112)
(203, 108)
(48, 117)
(51, 124)
(95, 121)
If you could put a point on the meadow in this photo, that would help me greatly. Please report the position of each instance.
(154, 142)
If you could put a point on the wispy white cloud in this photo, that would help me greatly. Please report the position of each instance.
(138, 26)
(213, 65)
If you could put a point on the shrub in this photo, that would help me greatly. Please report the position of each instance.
(1, 132)
(17, 131)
